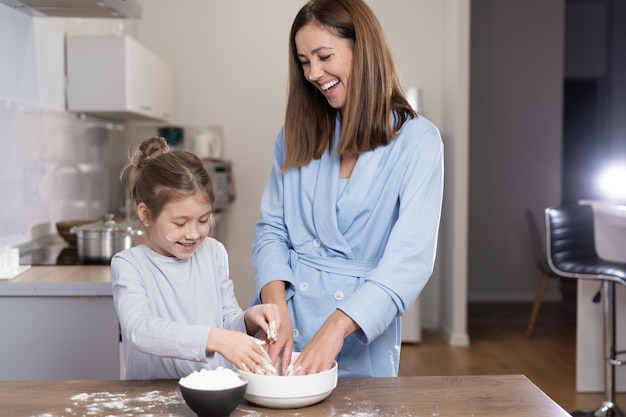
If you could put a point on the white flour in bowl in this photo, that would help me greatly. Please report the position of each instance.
(220, 378)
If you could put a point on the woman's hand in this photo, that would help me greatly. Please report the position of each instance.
(319, 354)
(266, 317)
(283, 346)
(274, 292)
(241, 350)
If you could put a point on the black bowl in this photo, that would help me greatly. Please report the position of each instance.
(213, 403)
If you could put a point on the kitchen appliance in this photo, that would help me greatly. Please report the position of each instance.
(64, 229)
(221, 173)
(174, 135)
(97, 242)
(207, 142)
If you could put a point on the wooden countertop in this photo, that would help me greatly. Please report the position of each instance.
(459, 396)
(65, 273)
(78, 280)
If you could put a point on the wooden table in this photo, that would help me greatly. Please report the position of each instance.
(446, 396)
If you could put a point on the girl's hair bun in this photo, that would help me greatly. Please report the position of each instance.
(150, 149)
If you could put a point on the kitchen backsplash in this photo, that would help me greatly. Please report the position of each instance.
(56, 166)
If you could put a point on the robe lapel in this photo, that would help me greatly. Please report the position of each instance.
(325, 204)
(359, 188)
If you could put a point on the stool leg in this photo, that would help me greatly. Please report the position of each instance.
(537, 304)
(609, 408)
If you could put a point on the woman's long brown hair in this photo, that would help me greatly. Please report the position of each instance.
(374, 92)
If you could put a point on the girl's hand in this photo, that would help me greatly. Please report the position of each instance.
(242, 350)
(265, 317)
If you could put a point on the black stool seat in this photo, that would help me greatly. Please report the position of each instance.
(571, 245)
(609, 270)
(571, 252)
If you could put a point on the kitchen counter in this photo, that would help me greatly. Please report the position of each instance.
(459, 396)
(79, 280)
(59, 322)
(63, 274)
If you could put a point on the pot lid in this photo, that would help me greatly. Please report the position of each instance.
(106, 224)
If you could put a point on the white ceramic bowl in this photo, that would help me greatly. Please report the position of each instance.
(290, 391)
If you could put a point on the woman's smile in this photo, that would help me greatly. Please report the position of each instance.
(330, 85)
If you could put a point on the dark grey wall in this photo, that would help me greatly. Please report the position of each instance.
(516, 79)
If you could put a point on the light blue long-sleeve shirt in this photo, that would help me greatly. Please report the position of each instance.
(167, 307)
(367, 249)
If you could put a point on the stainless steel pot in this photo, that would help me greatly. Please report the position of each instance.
(98, 242)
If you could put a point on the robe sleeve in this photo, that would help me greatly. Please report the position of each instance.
(270, 249)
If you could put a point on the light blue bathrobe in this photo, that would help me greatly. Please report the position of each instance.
(365, 245)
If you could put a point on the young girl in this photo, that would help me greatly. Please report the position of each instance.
(173, 295)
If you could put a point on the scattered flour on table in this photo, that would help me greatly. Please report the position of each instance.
(220, 378)
(105, 403)
(367, 408)
(251, 413)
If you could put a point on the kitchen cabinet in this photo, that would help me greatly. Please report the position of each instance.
(116, 77)
(59, 322)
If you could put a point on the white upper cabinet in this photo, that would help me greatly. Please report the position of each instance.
(117, 78)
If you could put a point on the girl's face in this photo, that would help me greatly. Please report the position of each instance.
(326, 61)
(181, 227)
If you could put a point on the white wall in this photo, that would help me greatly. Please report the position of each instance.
(230, 66)
(230, 69)
(450, 308)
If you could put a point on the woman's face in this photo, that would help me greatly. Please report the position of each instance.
(181, 227)
(326, 61)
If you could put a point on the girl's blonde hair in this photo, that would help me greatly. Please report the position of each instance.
(158, 175)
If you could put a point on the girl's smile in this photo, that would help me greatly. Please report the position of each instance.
(181, 227)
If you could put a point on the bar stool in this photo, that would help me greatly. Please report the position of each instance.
(571, 252)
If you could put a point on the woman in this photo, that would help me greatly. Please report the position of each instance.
(350, 213)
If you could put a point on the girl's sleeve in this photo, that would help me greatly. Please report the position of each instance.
(147, 333)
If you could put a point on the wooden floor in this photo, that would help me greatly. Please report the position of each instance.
(498, 345)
